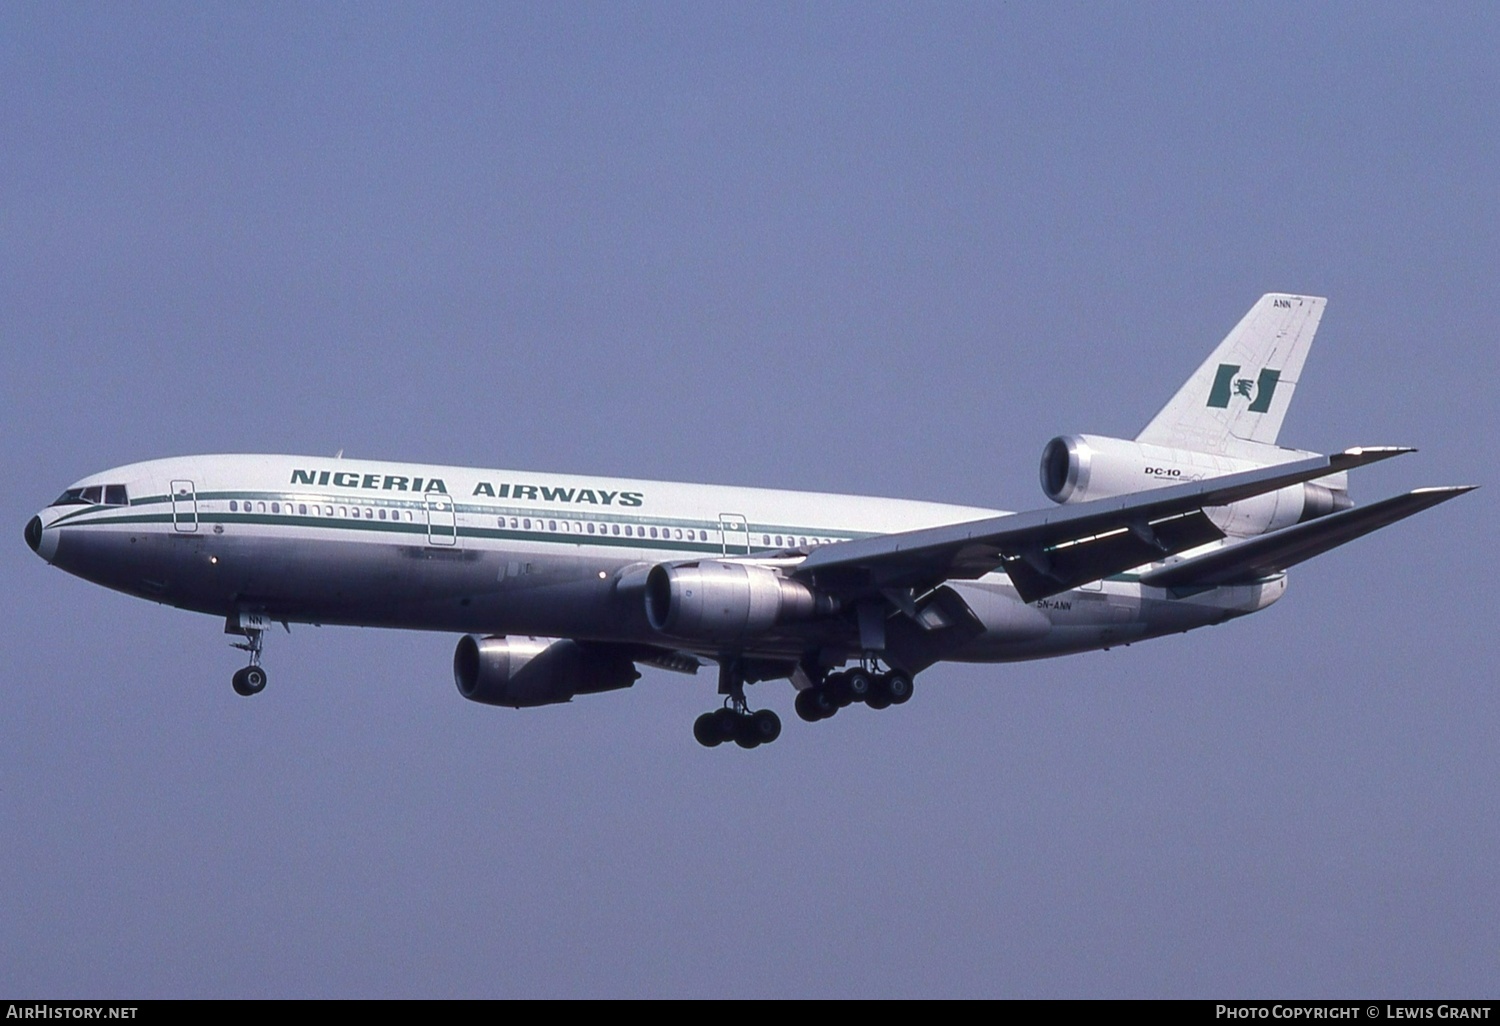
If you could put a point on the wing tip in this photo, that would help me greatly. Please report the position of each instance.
(1363, 455)
(1447, 491)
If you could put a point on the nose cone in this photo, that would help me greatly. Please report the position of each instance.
(43, 543)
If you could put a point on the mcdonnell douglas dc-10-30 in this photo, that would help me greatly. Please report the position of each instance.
(562, 585)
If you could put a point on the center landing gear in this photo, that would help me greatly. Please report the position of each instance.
(735, 722)
(861, 684)
(252, 679)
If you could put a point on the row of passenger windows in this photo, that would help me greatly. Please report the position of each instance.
(635, 531)
(515, 523)
(590, 527)
(301, 509)
(799, 542)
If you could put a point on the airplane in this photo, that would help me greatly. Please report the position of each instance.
(562, 585)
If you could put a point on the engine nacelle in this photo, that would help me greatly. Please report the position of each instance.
(1077, 468)
(520, 672)
(716, 601)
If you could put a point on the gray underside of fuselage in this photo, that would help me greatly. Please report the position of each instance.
(558, 592)
(333, 581)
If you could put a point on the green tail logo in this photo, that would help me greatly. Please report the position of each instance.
(1258, 391)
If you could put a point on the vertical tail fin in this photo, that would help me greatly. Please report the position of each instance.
(1237, 399)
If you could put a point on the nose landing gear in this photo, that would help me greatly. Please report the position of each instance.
(251, 680)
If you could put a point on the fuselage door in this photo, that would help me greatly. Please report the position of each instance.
(184, 507)
(442, 521)
(734, 533)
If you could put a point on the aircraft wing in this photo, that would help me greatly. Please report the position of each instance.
(1269, 554)
(1047, 551)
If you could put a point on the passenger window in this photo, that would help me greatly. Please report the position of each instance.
(614, 529)
(369, 513)
(233, 506)
(302, 509)
(552, 525)
(382, 513)
(275, 507)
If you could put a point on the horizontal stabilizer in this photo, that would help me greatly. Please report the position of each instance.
(1269, 554)
(1052, 550)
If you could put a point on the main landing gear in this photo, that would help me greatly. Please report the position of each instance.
(735, 722)
(837, 690)
(745, 728)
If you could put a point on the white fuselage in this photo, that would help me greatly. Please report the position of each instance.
(320, 540)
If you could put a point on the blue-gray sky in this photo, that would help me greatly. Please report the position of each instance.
(866, 248)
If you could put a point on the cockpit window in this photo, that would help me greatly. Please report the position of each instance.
(94, 495)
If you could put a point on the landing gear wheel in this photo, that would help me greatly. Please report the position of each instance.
(728, 722)
(836, 687)
(817, 703)
(744, 733)
(859, 684)
(765, 725)
(898, 685)
(249, 681)
(706, 730)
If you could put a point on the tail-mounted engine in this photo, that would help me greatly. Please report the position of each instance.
(714, 601)
(519, 672)
(1077, 468)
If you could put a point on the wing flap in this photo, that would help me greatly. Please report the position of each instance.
(1269, 554)
(1078, 563)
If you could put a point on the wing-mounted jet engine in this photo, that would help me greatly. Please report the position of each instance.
(724, 602)
(519, 672)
